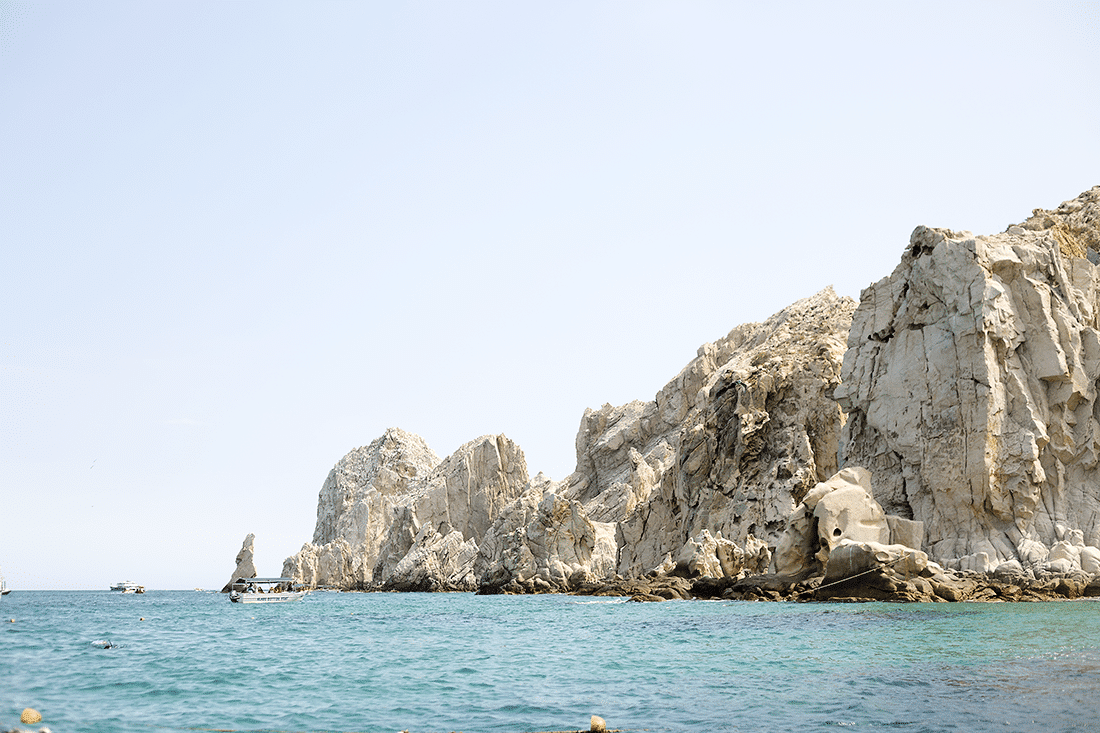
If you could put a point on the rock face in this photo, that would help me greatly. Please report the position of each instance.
(684, 484)
(393, 511)
(698, 481)
(545, 542)
(970, 383)
(833, 516)
(730, 445)
(948, 425)
(246, 566)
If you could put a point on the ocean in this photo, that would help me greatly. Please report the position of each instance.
(366, 662)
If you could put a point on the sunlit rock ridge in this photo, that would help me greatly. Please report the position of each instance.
(957, 400)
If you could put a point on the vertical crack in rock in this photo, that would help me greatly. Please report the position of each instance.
(1010, 379)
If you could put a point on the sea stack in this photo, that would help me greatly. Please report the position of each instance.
(246, 567)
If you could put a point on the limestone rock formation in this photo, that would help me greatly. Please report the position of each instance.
(684, 483)
(837, 512)
(941, 441)
(704, 556)
(394, 512)
(435, 562)
(246, 566)
(545, 542)
(725, 451)
(970, 386)
(730, 445)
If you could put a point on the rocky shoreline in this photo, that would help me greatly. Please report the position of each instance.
(878, 584)
(939, 440)
(971, 587)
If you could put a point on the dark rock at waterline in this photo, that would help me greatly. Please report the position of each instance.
(880, 585)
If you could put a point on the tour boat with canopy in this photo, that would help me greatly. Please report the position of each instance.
(265, 590)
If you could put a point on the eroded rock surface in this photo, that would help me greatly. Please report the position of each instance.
(730, 445)
(970, 384)
(393, 511)
(246, 564)
(941, 441)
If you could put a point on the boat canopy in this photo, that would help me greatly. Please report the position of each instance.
(264, 581)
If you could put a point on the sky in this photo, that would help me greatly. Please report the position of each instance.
(239, 240)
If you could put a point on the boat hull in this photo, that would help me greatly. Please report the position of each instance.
(267, 597)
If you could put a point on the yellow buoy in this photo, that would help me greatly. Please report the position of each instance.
(30, 715)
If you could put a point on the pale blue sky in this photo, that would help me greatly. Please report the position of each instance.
(239, 239)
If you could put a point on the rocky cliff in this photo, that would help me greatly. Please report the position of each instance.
(719, 458)
(947, 422)
(970, 383)
(729, 446)
(384, 505)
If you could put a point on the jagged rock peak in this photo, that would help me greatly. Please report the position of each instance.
(1075, 224)
(387, 466)
(246, 566)
(395, 499)
(729, 445)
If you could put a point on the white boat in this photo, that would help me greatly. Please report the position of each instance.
(128, 586)
(4, 589)
(265, 590)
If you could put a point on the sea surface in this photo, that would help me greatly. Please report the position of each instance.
(193, 661)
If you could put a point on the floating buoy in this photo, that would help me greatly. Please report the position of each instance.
(141, 619)
(30, 715)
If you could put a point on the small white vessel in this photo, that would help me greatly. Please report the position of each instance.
(265, 590)
(128, 586)
(4, 589)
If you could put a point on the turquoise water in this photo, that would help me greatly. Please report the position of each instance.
(460, 662)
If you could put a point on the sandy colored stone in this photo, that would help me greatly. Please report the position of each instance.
(394, 513)
(970, 387)
(730, 445)
(246, 565)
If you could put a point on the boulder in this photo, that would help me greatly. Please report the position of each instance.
(846, 512)
(838, 510)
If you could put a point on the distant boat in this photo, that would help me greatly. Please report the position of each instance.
(4, 589)
(265, 590)
(128, 586)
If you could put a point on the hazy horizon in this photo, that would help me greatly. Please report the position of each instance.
(241, 240)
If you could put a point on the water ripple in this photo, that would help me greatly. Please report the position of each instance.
(428, 663)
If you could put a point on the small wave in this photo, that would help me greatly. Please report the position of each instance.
(104, 644)
(600, 602)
